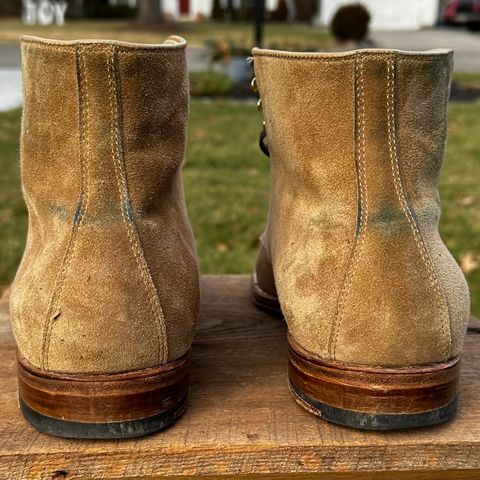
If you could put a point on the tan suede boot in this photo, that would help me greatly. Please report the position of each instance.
(106, 298)
(375, 304)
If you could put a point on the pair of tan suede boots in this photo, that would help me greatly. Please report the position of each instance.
(106, 298)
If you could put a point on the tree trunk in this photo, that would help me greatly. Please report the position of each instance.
(149, 12)
(217, 11)
(229, 10)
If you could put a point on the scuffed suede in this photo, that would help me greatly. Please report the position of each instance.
(357, 141)
(109, 279)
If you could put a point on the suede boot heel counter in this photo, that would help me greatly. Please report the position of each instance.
(396, 316)
(456, 291)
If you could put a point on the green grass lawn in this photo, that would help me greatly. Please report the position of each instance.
(469, 80)
(197, 33)
(226, 181)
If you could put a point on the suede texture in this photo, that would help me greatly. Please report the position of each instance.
(109, 280)
(357, 142)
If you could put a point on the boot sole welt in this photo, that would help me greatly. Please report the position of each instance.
(263, 300)
(120, 405)
(365, 397)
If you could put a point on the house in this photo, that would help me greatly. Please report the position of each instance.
(386, 14)
(188, 9)
(192, 9)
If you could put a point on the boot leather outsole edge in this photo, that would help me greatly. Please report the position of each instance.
(119, 405)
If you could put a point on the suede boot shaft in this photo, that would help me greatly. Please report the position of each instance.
(351, 246)
(109, 279)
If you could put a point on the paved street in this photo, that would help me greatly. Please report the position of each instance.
(10, 77)
(465, 44)
(9, 55)
(10, 89)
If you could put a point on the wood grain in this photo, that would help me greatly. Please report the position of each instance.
(242, 419)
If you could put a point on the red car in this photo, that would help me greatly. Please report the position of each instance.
(463, 12)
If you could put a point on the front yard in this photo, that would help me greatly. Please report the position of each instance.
(197, 33)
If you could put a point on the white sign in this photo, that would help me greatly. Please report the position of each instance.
(44, 12)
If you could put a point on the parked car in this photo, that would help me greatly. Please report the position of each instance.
(463, 12)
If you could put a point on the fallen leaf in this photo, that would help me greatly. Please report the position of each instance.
(6, 214)
(468, 200)
(221, 247)
(468, 262)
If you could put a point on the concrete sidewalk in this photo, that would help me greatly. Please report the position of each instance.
(465, 44)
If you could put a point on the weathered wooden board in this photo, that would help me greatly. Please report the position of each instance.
(242, 420)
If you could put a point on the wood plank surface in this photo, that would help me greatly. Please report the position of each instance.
(242, 421)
